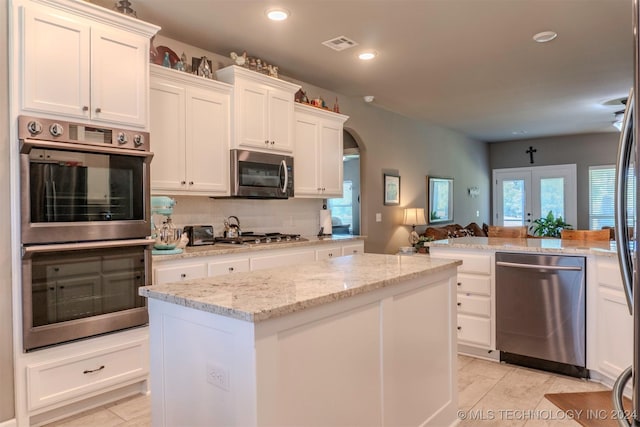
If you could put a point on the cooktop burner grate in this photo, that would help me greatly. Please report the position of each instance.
(255, 238)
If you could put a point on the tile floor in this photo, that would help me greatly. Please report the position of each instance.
(490, 394)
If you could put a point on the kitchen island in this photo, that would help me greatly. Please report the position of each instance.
(356, 340)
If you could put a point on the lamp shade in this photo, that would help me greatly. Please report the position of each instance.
(414, 216)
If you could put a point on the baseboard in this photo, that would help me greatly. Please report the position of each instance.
(9, 423)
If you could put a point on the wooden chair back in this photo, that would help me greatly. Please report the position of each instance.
(501, 231)
(587, 235)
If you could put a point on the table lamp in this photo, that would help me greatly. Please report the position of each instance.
(413, 217)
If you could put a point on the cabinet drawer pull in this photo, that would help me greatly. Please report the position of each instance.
(91, 371)
(190, 182)
(183, 275)
(273, 143)
(231, 269)
(183, 182)
(459, 283)
(98, 110)
(459, 328)
(85, 108)
(459, 304)
(330, 255)
(266, 142)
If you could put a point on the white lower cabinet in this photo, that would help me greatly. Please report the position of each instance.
(179, 272)
(613, 324)
(476, 318)
(176, 270)
(64, 379)
(353, 248)
(329, 252)
(228, 266)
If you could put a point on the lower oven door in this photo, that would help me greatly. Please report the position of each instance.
(78, 290)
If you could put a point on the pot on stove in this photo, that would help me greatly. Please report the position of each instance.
(232, 230)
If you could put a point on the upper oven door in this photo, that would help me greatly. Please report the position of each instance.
(83, 195)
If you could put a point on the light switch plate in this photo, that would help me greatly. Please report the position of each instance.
(378, 217)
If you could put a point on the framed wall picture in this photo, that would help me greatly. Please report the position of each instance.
(440, 199)
(391, 189)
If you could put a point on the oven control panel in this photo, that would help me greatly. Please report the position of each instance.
(40, 129)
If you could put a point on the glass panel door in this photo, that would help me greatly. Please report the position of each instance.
(513, 194)
(522, 195)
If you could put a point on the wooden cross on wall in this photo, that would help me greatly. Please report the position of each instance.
(530, 152)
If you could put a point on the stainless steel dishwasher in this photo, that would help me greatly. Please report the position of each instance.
(540, 311)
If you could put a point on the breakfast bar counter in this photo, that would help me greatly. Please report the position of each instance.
(538, 245)
(357, 340)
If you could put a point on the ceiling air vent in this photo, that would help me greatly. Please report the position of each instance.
(340, 43)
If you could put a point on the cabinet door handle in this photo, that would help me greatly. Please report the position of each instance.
(273, 143)
(190, 182)
(98, 110)
(459, 328)
(183, 182)
(459, 304)
(183, 275)
(231, 268)
(85, 108)
(330, 255)
(91, 371)
(459, 283)
(266, 142)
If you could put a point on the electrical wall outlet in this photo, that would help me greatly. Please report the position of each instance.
(218, 376)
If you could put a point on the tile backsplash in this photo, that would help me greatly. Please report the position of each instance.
(295, 216)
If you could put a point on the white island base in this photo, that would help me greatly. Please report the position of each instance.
(380, 358)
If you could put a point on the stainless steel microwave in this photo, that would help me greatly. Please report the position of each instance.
(261, 175)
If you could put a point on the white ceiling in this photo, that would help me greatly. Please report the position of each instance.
(469, 65)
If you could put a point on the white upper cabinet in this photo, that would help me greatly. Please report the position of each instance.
(80, 61)
(262, 108)
(190, 119)
(318, 152)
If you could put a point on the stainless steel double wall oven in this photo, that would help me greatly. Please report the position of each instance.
(85, 218)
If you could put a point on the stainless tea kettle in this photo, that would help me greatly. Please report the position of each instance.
(232, 230)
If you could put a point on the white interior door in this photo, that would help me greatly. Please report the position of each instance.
(522, 195)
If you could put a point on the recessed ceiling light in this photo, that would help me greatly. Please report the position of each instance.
(365, 56)
(545, 36)
(277, 14)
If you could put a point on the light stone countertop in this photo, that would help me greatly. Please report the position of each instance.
(228, 248)
(541, 245)
(265, 294)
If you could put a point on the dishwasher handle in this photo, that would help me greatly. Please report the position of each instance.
(539, 267)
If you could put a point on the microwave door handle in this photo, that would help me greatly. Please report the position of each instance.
(283, 165)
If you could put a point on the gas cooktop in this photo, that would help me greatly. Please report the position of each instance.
(265, 238)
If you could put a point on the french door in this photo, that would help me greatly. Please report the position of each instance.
(521, 195)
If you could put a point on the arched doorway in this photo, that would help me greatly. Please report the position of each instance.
(345, 211)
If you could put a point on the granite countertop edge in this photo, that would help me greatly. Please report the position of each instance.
(292, 307)
(552, 246)
(226, 249)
